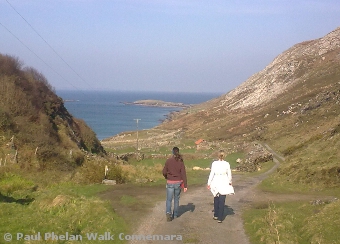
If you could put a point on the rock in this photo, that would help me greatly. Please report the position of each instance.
(257, 154)
(109, 182)
(143, 180)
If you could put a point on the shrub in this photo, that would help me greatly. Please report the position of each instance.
(10, 183)
(93, 171)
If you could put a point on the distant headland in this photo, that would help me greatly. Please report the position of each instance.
(157, 103)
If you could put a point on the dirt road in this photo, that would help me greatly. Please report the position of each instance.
(195, 223)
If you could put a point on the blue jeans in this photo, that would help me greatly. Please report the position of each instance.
(173, 191)
(219, 206)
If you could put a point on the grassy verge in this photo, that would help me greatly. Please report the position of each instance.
(134, 201)
(69, 210)
(272, 184)
(293, 222)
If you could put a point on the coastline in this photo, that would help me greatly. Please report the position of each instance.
(105, 113)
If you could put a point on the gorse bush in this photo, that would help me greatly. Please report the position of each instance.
(10, 183)
(89, 139)
(93, 171)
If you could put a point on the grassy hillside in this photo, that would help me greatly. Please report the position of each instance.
(49, 161)
(35, 128)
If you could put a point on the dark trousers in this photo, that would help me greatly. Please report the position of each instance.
(219, 202)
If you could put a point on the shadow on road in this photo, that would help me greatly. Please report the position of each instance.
(228, 211)
(186, 208)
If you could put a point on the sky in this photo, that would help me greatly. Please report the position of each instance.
(157, 45)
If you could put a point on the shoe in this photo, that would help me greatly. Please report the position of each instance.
(219, 221)
(215, 218)
(168, 217)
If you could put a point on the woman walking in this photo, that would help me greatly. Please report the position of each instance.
(220, 184)
(175, 175)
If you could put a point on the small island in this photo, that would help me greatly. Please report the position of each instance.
(157, 103)
(70, 100)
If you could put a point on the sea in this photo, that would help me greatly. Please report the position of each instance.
(107, 115)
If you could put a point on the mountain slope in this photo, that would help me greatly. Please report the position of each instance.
(298, 74)
(297, 65)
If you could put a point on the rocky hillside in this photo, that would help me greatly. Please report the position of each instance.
(36, 130)
(299, 64)
(303, 72)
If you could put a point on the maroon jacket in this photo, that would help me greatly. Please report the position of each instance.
(175, 170)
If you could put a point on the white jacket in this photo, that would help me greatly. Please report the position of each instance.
(220, 178)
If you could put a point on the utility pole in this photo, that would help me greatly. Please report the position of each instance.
(137, 133)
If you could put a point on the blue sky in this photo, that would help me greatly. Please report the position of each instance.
(157, 45)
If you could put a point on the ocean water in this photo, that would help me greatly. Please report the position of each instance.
(105, 113)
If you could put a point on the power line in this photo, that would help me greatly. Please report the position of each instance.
(47, 43)
(137, 133)
(36, 55)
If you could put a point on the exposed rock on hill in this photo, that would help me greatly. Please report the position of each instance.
(295, 76)
(290, 68)
(256, 155)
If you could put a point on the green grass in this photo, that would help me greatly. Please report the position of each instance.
(150, 169)
(293, 222)
(202, 163)
(122, 151)
(128, 200)
(206, 162)
(11, 183)
(134, 201)
(147, 162)
(272, 184)
(60, 208)
(197, 177)
(75, 189)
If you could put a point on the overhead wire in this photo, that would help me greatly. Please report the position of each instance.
(54, 51)
(36, 55)
(47, 45)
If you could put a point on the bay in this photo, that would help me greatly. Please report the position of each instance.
(107, 116)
